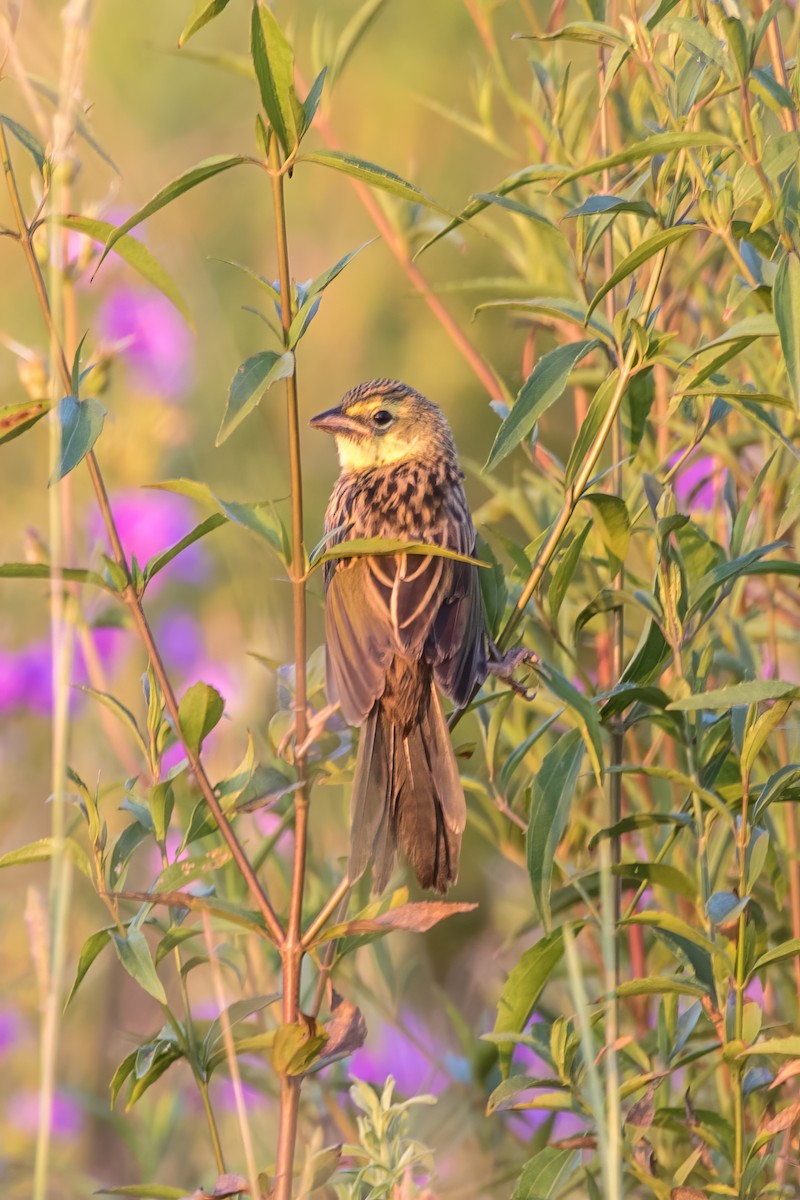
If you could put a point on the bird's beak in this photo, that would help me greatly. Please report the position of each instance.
(334, 421)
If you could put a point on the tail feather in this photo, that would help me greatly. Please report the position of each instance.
(407, 792)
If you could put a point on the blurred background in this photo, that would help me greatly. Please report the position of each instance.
(156, 111)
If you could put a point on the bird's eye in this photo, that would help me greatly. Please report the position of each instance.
(382, 418)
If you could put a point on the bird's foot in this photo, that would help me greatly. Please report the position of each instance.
(503, 665)
(316, 722)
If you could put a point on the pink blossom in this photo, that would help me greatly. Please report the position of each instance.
(149, 522)
(159, 343)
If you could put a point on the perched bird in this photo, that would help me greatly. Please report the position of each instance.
(400, 626)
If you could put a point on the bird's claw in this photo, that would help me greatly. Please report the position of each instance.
(503, 666)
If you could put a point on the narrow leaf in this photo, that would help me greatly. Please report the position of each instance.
(544, 385)
(543, 1174)
(135, 254)
(206, 169)
(134, 954)
(273, 60)
(786, 305)
(644, 251)
(81, 424)
(551, 797)
(250, 383)
(204, 11)
(27, 139)
(372, 175)
(521, 990)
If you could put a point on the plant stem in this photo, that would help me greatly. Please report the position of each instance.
(738, 1105)
(129, 595)
(292, 950)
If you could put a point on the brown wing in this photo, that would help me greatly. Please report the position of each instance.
(407, 605)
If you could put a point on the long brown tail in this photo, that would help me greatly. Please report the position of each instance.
(407, 792)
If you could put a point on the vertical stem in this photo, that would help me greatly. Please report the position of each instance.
(292, 949)
(612, 904)
(738, 1096)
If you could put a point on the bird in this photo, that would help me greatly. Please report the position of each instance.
(401, 627)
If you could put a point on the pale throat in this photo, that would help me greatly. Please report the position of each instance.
(360, 455)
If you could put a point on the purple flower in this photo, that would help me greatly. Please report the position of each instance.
(158, 342)
(22, 1112)
(411, 1054)
(12, 1029)
(225, 1096)
(151, 521)
(26, 675)
(697, 482)
(181, 642)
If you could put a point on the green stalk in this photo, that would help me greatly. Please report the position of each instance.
(292, 950)
(738, 1094)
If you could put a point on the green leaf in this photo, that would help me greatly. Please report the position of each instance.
(613, 520)
(122, 713)
(543, 1174)
(311, 102)
(585, 712)
(44, 849)
(515, 206)
(361, 547)
(273, 60)
(551, 797)
(542, 172)
(134, 253)
(644, 251)
(596, 205)
(640, 821)
(27, 139)
(327, 277)
(562, 577)
(134, 954)
(650, 147)
(562, 308)
(297, 1045)
(204, 170)
(777, 954)
(93, 945)
(159, 561)
(372, 175)
(751, 692)
(44, 571)
(786, 305)
(544, 385)
(253, 379)
(199, 711)
(590, 427)
(521, 990)
(784, 1046)
(204, 11)
(146, 1191)
(723, 907)
(781, 781)
(595, 33)
(261, 520)
(19, 417)
(727, 572)
(81, 424)
(352, 34)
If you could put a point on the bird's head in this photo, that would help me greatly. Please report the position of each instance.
(384, 422)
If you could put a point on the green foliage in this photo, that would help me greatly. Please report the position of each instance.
(635, 283)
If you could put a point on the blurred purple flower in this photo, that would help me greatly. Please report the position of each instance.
(26, 675)
(159, 344)
(181, 641)
(225, 1097)
(410, 1054)
(150, 522)
(22, 1112)
(12, 1029)
(696, 483)
(526, 1121)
